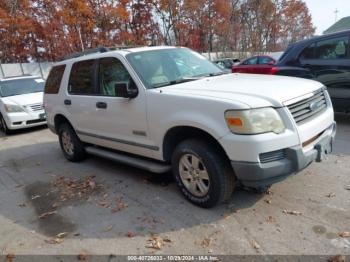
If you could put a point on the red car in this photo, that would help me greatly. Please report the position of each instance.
(262, 64)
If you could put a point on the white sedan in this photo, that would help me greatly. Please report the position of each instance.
(21, 103)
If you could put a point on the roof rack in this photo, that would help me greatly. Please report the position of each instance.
(100, 49)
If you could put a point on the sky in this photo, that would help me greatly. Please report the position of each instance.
(323, 12)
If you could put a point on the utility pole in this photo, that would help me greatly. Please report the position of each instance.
(336, 14)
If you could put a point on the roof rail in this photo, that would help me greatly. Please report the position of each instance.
(100, 49)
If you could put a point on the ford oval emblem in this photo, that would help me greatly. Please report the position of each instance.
(313, 106)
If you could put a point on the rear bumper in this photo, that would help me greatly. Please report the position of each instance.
(264, 174)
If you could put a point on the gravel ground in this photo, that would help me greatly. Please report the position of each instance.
(51, 206)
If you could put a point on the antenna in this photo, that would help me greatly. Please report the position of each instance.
(336, 14)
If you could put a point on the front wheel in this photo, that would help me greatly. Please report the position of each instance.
(203, 175)
(73, 149)
(3, 126)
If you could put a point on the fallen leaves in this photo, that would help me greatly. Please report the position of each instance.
(292, 212)
(57, 240)
(344, 234)
(70, 189)
(54, 241)
(120, 205)
(10, 257)
(130, 234)
(47, 214)
(157, 242)
(338, 258)
(82, 256)
(255, 245)
(330, 195)
(107, 229)
(62, 235)
(35, 197)
(271, 219)
(206, 242)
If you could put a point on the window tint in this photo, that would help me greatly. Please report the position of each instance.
(264, 60)
(111, 73)
(53, 81)
(251, 61)
(309, 52)
(336, 48)
(81, 80)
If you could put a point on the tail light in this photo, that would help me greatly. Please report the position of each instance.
(274, 71)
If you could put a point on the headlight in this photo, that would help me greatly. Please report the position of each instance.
(255, 121)
(13, 108)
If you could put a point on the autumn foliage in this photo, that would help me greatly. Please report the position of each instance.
(46, 30)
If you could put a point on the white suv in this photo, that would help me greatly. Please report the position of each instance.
(162, 108)
(21, 103)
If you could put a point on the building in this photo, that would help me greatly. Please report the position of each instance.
(341, 25)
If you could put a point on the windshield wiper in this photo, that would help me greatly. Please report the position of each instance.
(175, 82)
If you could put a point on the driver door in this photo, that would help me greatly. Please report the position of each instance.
(120, 123)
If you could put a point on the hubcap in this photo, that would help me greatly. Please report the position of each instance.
(194, 175)
(67, 143)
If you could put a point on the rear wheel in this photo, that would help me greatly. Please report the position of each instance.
(73, 149)
(203, 174)
(3, 126)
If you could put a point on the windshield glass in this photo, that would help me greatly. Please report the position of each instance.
(171, 66)
(21, 86)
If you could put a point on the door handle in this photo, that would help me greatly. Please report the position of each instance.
(101, 105)
(67, 102)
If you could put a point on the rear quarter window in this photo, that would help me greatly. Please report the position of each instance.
(54, 79)
(81, 80)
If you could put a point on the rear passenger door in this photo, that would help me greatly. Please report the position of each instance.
(105, 119)
(329, 62)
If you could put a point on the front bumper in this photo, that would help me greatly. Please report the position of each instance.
(24, 120)
(297, 158)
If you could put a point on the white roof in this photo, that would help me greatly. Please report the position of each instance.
(121, 51)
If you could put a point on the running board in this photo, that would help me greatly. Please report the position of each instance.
(149, 165)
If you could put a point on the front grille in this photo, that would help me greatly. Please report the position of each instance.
(36, 107)
(272, 156)
(308, 108)
(35, 121)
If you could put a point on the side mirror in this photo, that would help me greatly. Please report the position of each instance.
(122, 90)
(271, 63)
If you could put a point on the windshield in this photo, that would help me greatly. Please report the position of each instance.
(21, 86)
(171, 66)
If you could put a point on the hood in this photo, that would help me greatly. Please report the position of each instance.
(26, 99)
(253, 90)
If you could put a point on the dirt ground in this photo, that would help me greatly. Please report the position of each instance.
(51, 206)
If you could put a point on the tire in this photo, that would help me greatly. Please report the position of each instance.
(72, 148)
(203, 175)
(3, 126)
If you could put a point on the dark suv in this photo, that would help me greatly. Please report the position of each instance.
(325, 59)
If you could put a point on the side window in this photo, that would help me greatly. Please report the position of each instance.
(81, 80)
(308, 52)
(54, 79)
(251, 61)
(111, 73)
(336, 48)
(265, 60)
